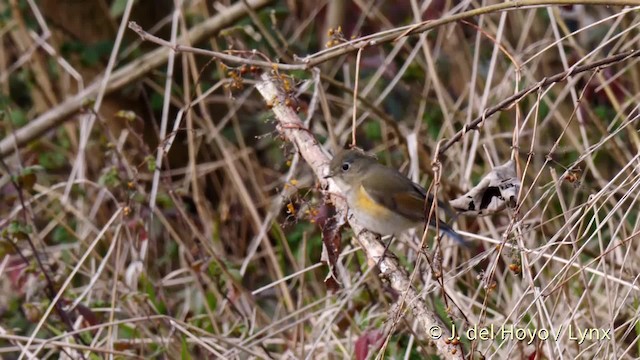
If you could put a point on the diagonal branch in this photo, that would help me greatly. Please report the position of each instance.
(399, 32)
(291, 127)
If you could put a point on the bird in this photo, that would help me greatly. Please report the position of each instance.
(380, 198)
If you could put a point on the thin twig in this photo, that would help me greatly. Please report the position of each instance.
(508, 102)
(214, 54)
(355, 97)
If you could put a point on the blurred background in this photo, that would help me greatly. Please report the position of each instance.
(151, 209)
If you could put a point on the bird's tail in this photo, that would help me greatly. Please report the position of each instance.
(452, 233)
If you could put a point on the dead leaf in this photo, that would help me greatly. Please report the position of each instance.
(331, 225)
(368, 340)
(494, 193)
(89, 316)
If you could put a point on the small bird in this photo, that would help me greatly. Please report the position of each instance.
(381, 198)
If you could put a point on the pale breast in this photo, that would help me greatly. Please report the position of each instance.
(374, 216)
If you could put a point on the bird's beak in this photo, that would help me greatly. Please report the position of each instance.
(330, 175)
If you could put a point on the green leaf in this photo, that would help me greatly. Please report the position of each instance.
(150, 290)
(110, 178)
(18, 118)
(117, 8)
(184, 351)
(212, 300)
(51, 160)
(156, 101)
(373, 130)
(60, 235)
(151, 163)
(93, 54)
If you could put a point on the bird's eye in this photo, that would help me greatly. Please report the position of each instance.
(346, 166)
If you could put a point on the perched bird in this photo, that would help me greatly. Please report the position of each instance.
(381, 198)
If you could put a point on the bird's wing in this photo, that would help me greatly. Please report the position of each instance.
(394, 195)
(398, 193)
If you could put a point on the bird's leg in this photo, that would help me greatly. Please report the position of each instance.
(359, 232)
(386, 248)
(336, 194)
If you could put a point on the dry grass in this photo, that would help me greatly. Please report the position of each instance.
(164, 215)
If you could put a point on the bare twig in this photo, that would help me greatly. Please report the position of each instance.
(355, 97)
(214, 54)
(508, 102)
(395, 33)
(165, 110)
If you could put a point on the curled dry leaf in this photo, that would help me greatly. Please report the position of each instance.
(331, 225)
(368, 340)
(90, 317)
(494, 193)
(132, 274)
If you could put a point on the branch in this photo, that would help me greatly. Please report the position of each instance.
(291, 127)
(508, 102)
(399, 32)
(145, 36)
(126, 75)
